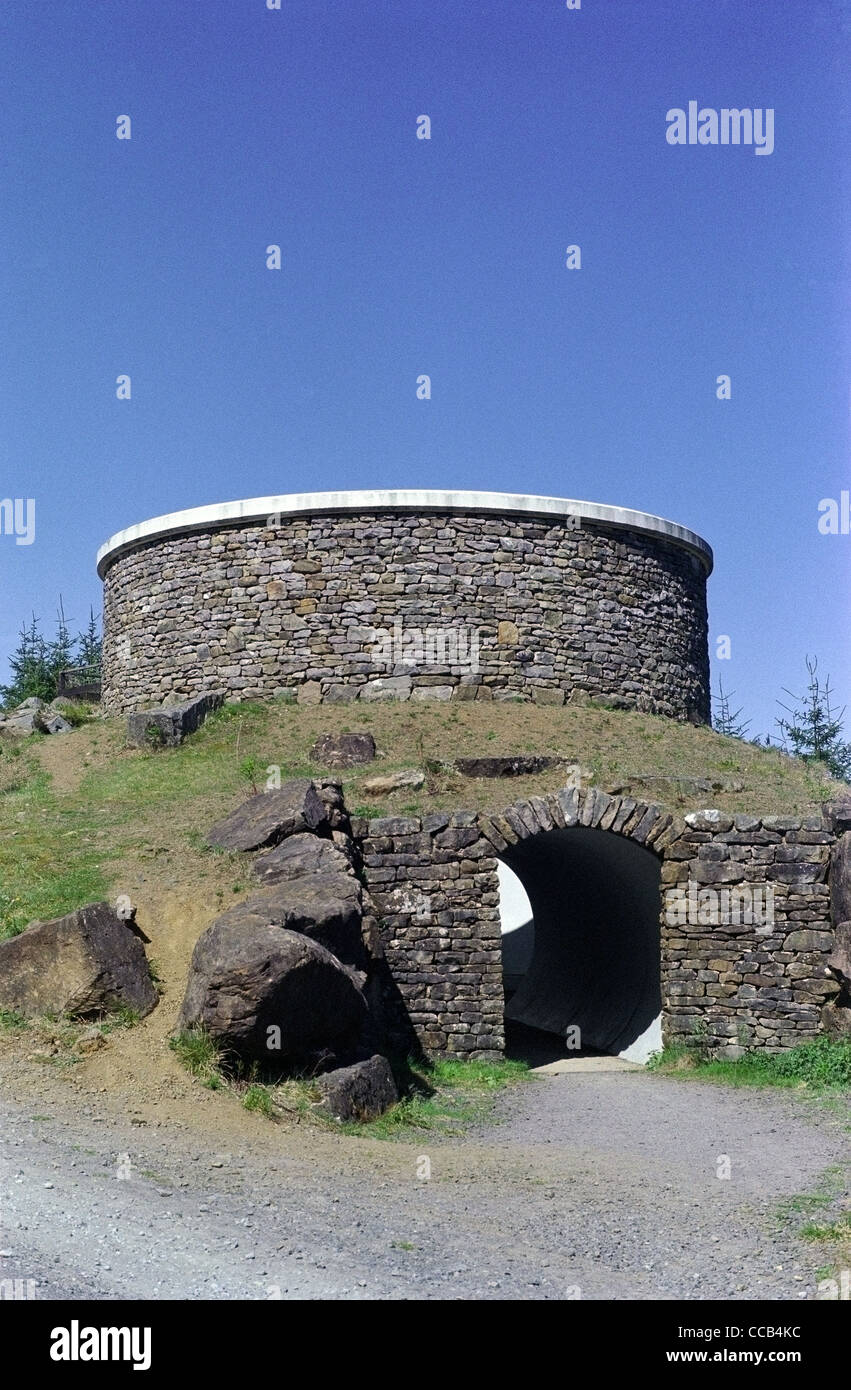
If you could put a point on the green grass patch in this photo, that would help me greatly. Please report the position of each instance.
(442, 1097)
(201, 1056)
(11, 1020)
(76, 712)
(816, 1066)
(259, 1098)
(825, 1207)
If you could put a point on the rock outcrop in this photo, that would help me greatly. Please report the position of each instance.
(83, 964)
(360, 1092)
(268, 993)
(269, 817)
(169, 726)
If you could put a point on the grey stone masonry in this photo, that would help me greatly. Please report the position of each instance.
(407, 605)
(745, 921)
(433, 882)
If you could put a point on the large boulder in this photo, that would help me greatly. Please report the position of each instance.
(269, 994)
(840, 879)
(269, 817)
(359, 1092)
(83, 964)
(299, 855)
(839, 960)
(26, 718)
(330, 793)
(837, 814)
(169, 726)
(836, 1021)
(325, 907)
(343, 750)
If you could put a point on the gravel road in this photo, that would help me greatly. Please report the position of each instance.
(588, 1185)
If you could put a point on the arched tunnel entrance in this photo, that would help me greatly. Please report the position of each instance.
(581, 943)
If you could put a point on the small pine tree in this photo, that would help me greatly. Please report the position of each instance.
(89, 643)
(814, 731)
(36, 663)
(725, 720)
(30, 668)
(60, 652)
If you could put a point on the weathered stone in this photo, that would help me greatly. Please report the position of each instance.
(310, 693)
(836, 1020)
(358, 1093)
(87, 962)
(409, 778)
(510, 765)
(709, 820)
(545, 695)
(168, 727)
(299, 855)
(24, 720)
(324, 906)
(269, 817)
(432, 692)
(387, 688)
(808, 941)
(837, 814)
(839, 960)
(340, 694)
(840, 879)
(56, 725)
(247, 980)
(343, 750)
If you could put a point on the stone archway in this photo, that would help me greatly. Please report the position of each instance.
(586, 953)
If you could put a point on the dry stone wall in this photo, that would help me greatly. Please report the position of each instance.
(409, 605)
(745, 926)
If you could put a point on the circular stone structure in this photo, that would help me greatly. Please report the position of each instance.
(408, 595)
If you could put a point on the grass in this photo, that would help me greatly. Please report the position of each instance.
(17, 763)
(56, 1037)
(259, 1098)
(817, 1066)
(839, 1230)
(827, 1201)
(76, 712)
(60, 849)
(201, 1056)
(443, 1097)
(11, 1020)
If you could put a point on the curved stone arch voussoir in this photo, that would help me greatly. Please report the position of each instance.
(643, 822)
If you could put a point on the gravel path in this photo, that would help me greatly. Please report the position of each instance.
(592, 1186)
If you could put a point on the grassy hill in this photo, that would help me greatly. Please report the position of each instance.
(82, 816)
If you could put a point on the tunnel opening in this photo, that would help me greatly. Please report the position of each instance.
(580, 911)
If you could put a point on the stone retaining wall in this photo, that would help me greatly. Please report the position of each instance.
(732, 984)
(433, 882)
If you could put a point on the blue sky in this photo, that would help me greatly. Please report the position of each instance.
(404, 256)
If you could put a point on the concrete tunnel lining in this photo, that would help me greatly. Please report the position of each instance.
(596, 960)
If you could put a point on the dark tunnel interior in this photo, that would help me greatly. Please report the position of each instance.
(591, 954)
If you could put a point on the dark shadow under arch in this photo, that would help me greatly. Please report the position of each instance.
(595, 963)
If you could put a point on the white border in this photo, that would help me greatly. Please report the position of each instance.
(402, 500)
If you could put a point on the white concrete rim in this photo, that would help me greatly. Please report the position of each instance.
(220, 514)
